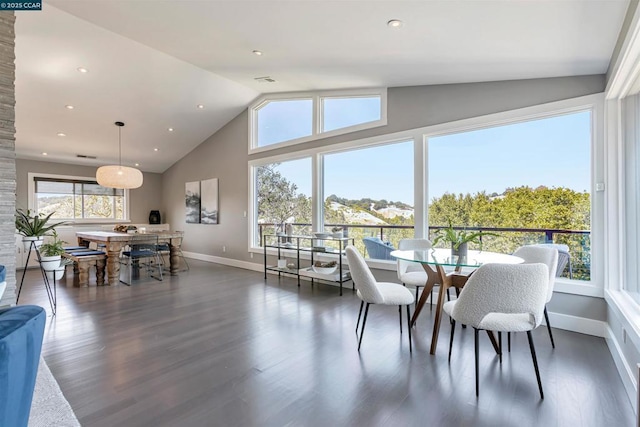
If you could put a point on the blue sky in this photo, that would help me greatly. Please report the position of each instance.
(554, 152)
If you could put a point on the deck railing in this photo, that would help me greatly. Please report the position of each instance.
(507, 241)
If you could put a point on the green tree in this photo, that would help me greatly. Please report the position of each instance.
(278, 199)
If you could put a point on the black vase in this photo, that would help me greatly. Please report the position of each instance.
(154, 217)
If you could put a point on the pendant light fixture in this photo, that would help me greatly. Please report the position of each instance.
(118, 176)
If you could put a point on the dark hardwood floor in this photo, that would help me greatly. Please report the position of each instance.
(219, 346)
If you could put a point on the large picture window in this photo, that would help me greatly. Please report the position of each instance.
(528, 182)
(76, 199)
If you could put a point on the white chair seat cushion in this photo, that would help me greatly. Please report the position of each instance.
(414, 278)
(500, 322)
(507, 322)
(393, 294)
(448, 307)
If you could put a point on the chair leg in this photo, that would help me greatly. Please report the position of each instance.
(500, 346)
(430, 296)
(409, 328)
(448, 295)
(546, 318)
(364, 321)
(359, 315)
(509, 342)
(453, 329)
(400, 315)
(535, 363)
(477, 348)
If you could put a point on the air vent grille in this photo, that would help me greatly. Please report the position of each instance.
(83, 156)
(265, 79)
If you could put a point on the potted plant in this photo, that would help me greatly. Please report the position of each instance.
(459, 239)
(58, 272)
(51, 253)
(33, 227)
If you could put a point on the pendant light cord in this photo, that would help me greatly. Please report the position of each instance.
(120, 146)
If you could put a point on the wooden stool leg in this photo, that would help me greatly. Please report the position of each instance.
(83, 274)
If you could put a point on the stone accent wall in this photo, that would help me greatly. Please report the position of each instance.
(7, 154)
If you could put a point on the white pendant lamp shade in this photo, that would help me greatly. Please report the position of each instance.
(114, 176)
(118, 176)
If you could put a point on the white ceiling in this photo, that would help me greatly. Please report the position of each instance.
(151, 63)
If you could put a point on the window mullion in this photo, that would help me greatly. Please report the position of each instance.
(317, 192)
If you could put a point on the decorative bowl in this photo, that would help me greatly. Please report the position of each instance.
(324, 270)
(321, 234)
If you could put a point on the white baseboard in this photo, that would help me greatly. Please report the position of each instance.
(225, 261)
(582, 325)
(626, 373)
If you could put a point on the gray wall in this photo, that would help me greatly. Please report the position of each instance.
(224, 156)
(141, 200)
(7, 154)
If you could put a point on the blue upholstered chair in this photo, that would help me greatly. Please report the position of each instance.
(378, 249)
(21, 331)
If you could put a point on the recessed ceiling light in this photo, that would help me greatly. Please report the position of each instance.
(82, 70)
(69, 107)
(156, 149)
(44, 154)
(137, 164)
(170, 129)
(395, 23)
(257, 52)
(61, 134)
(200, 106)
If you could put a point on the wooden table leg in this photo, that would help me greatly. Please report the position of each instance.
(174, 258)
(494, 342)
(100, 272)
(433, 278)
(113, 263)
(444, 285)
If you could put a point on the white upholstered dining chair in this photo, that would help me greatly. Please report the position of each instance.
(412, 273)
(371, 291)
(548, 256)
(502, 298)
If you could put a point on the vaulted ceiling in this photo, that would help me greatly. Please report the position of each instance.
(150, 64)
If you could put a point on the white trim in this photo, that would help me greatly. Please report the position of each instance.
(624, 370)
(577, 287)
(567, 322)
(225, 261)
(627, 66)
(316, 98)
(31, 203)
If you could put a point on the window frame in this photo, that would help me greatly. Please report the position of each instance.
(420, 136)
(317, 113)
(32, 198)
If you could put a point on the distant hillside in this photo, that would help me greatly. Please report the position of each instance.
(366, 211)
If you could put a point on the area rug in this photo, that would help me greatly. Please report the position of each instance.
(49, 407)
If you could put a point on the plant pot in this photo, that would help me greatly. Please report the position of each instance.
(50, 263)
(56, 274)
(461, 251)
(26, 241)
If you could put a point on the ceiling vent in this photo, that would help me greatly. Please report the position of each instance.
(82, 156)
(265, 79)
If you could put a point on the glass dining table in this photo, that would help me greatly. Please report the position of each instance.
(435, 261)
